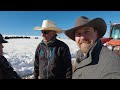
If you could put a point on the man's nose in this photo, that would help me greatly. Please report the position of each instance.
(83, 36)
(43, 35)
(2, 46)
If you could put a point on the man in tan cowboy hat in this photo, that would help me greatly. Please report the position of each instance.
(6, 70)
(93, 61)
(52, 56)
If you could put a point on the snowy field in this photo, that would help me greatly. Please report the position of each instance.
(20, 53)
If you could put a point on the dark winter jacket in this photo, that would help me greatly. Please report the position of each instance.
(6, 71)
(100, 63)
(53, 61)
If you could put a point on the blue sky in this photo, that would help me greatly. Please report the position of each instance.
(23, 22)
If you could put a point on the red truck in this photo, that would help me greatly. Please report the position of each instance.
(113, 41)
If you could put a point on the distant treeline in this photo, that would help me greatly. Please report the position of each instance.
(16, 37)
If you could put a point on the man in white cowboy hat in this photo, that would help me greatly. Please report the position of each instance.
(93, 61)
(6, 70)
(52, 56)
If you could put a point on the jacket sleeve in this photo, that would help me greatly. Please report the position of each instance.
(115, 75)
(112, 68)
(68, 63)
(7, 69)
(36, 65)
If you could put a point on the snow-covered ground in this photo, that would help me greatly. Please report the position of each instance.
(20, 53)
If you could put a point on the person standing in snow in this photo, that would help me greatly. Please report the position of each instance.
(93, 61)
(6, 70)
(52, 56)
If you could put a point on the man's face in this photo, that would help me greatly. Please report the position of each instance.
(1, 49)
(47, 35)
(85, 38)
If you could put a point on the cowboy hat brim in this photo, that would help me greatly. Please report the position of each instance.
(97, 23)
(57, 30)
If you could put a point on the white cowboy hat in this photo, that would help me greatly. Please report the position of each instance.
(48, 25)
(97, 23)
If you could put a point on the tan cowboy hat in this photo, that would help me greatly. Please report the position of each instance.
(97, 23)
(2, 40)
(48, 25)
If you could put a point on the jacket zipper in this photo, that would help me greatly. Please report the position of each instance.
(48, 56)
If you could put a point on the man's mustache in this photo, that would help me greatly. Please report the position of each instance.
(84, 41)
